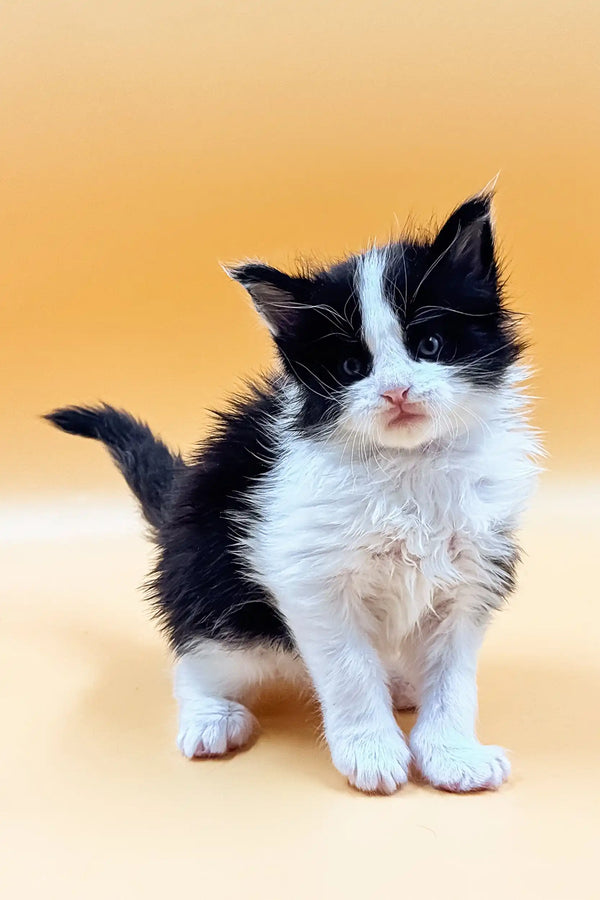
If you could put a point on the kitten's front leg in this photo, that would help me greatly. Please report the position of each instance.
(443, 741)
(366, 744)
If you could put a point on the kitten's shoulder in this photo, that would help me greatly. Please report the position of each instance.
(255, 409)
(240, 448)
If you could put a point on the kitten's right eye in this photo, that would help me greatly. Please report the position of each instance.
(352, 367)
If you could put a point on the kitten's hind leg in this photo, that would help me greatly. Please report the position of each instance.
(214, 727)
(209, 682)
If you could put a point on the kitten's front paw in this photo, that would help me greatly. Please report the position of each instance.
(372, 762)
(459, 765)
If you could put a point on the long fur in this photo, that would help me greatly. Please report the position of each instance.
(350, 522)
(148, 466)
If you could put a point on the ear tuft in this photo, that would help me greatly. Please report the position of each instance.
(274, 294)
(467, 238)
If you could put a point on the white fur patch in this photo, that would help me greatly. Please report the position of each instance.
(381, 328)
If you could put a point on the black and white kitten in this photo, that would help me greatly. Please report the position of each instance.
(350, 521)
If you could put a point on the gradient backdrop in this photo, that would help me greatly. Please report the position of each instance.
(144, 141)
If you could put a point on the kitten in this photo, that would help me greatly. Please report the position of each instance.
(350, 520)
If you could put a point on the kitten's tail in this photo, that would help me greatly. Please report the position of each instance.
(148, 465)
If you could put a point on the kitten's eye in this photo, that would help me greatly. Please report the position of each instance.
(429, 347)
(352, 367)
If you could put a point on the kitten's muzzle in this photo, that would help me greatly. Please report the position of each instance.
(402, 411)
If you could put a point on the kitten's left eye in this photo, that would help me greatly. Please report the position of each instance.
(352, 367)
(429, 347)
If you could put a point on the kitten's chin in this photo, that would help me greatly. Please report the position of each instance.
(403, 441)
(405, 434)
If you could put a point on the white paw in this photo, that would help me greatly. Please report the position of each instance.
(459, 765)
(404, 695)
(373, 762)
(214, 728)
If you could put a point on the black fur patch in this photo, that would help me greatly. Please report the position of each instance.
(200, 587)
(449, 287)
(149, 467)
(327, 333)
(465, 311)
(505, 568)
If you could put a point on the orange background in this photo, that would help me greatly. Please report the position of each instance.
(144, 141)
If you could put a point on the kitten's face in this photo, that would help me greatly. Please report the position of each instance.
(401, 346)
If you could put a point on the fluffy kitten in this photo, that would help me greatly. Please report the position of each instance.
(350, 520)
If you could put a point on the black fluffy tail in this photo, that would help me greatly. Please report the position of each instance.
(148, 465)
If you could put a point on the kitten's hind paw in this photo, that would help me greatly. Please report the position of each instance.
(214, 728)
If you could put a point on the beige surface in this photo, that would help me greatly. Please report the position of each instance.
(142, 141)
(98, 803)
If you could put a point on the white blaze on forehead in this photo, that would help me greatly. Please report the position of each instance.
(381, 328)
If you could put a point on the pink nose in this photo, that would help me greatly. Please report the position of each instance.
(397, 396)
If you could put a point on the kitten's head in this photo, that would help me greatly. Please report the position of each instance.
(402, 345)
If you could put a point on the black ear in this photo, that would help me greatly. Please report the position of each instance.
(275, 295)
(467, 238)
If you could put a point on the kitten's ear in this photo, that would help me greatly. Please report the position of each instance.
(275, 295)
(467, 238)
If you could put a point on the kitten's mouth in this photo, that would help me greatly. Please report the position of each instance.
(410, 414)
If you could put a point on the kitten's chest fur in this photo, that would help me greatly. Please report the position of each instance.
(389, 531)
(410, 534)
